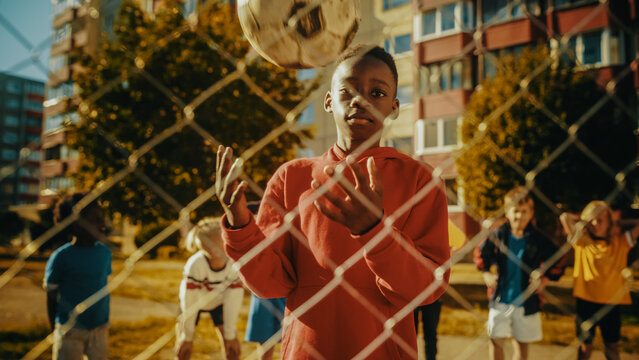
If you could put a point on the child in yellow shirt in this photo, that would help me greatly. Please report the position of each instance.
(601, 274)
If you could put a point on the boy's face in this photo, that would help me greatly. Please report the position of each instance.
(362, 95)
(520, 215)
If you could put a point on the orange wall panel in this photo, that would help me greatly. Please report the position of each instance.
(571, 20)
(443, 48)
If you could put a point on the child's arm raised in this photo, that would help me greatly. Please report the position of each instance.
(230, 192)
(569, 222)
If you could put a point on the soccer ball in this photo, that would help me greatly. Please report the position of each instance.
(299, 33)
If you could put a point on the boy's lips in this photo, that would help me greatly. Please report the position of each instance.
(359, 119)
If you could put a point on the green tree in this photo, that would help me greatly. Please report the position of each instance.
(137, 109)
(525, 136)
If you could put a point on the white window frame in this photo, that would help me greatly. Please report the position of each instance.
(434, 71)
(420, 130)
(391, 47)
(606, 51)
(459, 19)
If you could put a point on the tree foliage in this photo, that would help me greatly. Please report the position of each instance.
(523, 138)
(153, 64)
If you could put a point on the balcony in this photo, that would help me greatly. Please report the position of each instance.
(60, 76)
(443, 48)
(570, 20)
(447, 103)
(522, 31)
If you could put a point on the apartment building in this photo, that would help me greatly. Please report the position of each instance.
(449, 64)
(20, 128)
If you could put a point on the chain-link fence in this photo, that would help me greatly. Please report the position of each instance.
(571, 43)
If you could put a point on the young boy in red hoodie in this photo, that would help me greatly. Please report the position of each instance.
(352, 238)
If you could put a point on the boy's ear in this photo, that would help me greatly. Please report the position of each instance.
(328, 103)
(395, 114)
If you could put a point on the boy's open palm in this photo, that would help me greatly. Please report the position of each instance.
(229, 190)
(362, 208)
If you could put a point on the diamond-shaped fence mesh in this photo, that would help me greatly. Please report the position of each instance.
(571, 44)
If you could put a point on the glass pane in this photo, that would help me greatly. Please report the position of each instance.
(434, 79)
(431, 134)
(517, 9)
(488, 11)
(404, 94)
(615, 47)
(448, 17)
(424, 81)
(428, 23)
(444, 82)
(469, 22)
(456, 76)
(561, 2)
(450, 132)
(387, 46)
(402, 43)
(502, 9)
(592, 48)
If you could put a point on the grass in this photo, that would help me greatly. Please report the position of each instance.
(159, 281)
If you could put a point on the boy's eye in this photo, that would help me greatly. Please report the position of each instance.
(378, 93)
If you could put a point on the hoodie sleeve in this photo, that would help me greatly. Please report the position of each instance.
(405, 260)
(270, 272)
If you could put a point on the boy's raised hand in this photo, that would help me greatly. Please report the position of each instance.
(229, 190)
(357, 214)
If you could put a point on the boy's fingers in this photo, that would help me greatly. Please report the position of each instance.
(337, 201)
(333, 215)
(238, 193)
(374, 177)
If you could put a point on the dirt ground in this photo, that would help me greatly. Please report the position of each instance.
(23, 303)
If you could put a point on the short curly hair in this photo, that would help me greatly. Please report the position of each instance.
(369, 50)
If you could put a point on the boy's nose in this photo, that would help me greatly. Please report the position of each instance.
(357, 101)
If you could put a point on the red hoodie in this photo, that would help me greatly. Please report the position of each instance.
(350, 312)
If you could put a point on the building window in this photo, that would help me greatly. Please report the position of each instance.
(13, 87)
(445, 20)
(437, 134)
(63, 90)
(57, 62)
(405, 94)
(30, 189)
(60, 34)
(52, 153)
(390, 4)
(490, 60)
(567, 3)
(12, 103)
(34, 122)
(10, 138)
(34, 105)
(58, 121)
(61, 5)
(10, 120)
(59, 183)
(32, 139)
(9, 154)
(596, 48)
(307, 116)
(29, 172)
(449, 75)
(34, 88)
(505, 10)
(398, 44)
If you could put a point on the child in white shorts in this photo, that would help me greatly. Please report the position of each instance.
(515, 249)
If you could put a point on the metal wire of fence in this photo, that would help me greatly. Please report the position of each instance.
(189, 108)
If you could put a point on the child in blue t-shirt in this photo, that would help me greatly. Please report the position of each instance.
(75, 272)
(516, 249)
